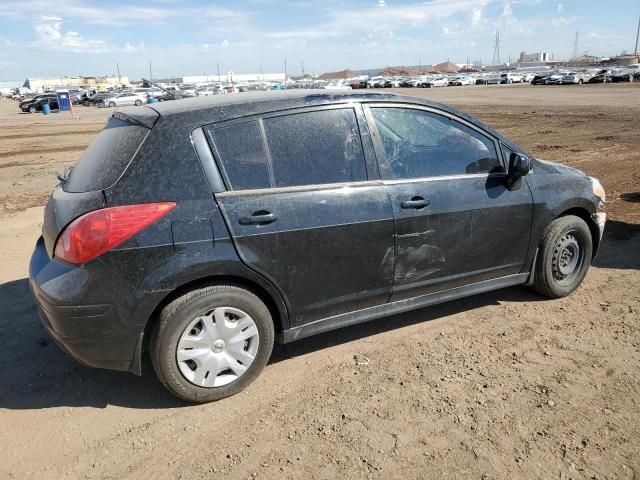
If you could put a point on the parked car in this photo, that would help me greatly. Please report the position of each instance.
(623, 75)
(337, 86)
(528, 77)
(206, 91)
(541, 78)
(509, 78)
(460, 80)
(491, 79)
(97, 98)
(205, 229)
(35, 104)
(603, 76)
(555, 78)
(440, 81)
(379, 82)
(576, 78)
(122, 100)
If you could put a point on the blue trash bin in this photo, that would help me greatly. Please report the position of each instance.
(46, 109)
(152, 100)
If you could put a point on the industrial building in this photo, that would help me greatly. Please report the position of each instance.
(39, 85)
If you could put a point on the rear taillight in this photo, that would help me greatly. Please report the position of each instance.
(96, 232)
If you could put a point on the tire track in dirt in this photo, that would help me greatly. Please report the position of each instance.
(68, 148)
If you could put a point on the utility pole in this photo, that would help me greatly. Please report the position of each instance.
(150, 75)
(218, 65)
(575, 46)
(637, 35)
(496, 50)
(302, 68)
(119, 81)
(285, 70)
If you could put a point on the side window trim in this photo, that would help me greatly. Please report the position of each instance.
(383, 165)
(209, 165)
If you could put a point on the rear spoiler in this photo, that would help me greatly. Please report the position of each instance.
(143, 116)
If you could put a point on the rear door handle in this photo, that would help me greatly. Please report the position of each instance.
(416, 202)
(261, 217)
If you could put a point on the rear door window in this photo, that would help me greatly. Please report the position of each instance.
(105, 160)
(307, 148)
(315, 148)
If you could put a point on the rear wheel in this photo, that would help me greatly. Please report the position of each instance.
(138, 103)
(112, 104)
(212, 343)
(564, 257)
(33, 110)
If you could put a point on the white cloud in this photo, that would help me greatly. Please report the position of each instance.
(560, 9)
(106, 14)
(476, 16)
(49, 34)
(130, 48)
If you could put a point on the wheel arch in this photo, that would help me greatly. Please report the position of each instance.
(584, 214)
(277, 308)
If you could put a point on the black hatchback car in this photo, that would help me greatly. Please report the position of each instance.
(35, 104)
(203, 230)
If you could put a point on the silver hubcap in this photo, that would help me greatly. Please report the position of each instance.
(217, 348)
(567, 258)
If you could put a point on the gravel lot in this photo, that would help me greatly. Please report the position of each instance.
(502, 385)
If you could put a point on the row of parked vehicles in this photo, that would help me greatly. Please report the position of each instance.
(588, 75)
(547, 77)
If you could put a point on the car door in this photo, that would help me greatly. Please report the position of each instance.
(457, 223)
(306, 208)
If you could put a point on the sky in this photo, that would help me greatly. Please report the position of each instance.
(43, 38)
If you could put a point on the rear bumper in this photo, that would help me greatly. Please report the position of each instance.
(88, 311)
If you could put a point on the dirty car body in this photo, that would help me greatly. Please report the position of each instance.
(323, 214)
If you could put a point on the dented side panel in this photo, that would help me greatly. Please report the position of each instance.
(472, 229)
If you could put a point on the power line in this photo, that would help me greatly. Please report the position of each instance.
(496, 50)
(575, 46)
(637, 35)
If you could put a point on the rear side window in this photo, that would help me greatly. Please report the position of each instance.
(241, 150)
(315, 148)
(105, 160)
(310, 148)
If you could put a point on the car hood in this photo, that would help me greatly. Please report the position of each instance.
(546, 166)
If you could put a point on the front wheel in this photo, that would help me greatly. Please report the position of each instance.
(33, 110)
(112, 104)
(563, 258)
(211, 343)
(138, 103)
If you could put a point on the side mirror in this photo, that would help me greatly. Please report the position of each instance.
(519, 166)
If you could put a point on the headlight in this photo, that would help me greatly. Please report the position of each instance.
(598, 190)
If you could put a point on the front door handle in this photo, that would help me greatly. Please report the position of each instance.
(416, 202)
(261, 217)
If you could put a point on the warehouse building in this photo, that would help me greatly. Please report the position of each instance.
(39, 85)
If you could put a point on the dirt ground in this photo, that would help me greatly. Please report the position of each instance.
(507, 384)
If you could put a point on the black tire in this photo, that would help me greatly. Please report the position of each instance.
(33, 110)
(138, 103)
(85, 103)
(112, 104)
(177, 316)
(554, 276)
